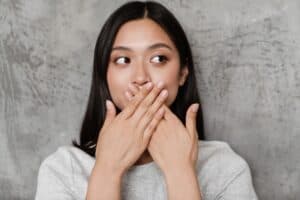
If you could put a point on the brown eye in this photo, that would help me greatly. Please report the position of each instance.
(122, 60)
(159, 59)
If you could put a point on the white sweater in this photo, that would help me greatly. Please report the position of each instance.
(222, 175)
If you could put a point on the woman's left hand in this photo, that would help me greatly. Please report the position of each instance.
(173, 146)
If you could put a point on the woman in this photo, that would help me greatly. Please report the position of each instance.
(146, 140)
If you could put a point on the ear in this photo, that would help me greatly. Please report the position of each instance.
(183, 75)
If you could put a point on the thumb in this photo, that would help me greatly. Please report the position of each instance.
(190, 120)
(110, 114)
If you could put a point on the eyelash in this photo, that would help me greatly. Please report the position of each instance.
(161, 56)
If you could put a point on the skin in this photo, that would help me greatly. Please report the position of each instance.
(153, 132)
(138, 64)
(131, 67)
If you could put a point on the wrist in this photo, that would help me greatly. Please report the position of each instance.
(182, 183)
(106, 171)
(179, 172)
(103, 177)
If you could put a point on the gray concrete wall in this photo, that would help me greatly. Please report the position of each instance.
(248, 63)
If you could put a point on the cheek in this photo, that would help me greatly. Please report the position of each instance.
(172, 94)
(116, 87)
(172, 86)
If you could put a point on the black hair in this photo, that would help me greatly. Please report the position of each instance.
(187, 93)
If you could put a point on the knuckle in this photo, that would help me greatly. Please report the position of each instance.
(155, 121)
(151, 126)
(156, 91)
(139, 97)
(149, 113)
(147, 134)
(159, 100)
(144, 92)
(156, 105)
(128, 109)
(134, 104)
(145, 104)
(158, 116)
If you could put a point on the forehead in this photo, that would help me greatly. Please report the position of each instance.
(141, 33)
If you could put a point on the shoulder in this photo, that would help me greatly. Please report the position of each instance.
(60, 157)
(219, 162)
(55, 164)
(57, 171)
(54, 175)
(223, 173)
(64, 161)
(220, 152)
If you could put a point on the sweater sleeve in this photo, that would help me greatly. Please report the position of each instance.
(240, 187)
(54, 177)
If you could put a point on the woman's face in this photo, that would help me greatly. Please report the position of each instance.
(143, 52)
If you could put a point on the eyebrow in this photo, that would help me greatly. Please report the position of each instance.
(153, 46)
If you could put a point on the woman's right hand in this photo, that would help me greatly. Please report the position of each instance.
(123, 138)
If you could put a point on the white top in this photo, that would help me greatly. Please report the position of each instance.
(222, 175)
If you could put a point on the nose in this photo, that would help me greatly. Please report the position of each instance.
(140, 76)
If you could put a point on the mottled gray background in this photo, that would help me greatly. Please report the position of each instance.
(247, 54)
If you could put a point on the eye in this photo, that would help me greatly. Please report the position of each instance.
(122, 60)
(159, 59)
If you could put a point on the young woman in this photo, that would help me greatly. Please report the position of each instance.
(142, 136)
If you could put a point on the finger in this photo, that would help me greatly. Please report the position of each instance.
(131, 107)
(133, 88)
(150, 113)
(110, 114)
(148, 101)
(190, 120)
(169, 115)
(129, 97)
(153, 124)
(130, 93)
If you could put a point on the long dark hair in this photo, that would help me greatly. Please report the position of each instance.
(96, 110)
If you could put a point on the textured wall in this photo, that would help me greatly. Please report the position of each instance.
(248, 62)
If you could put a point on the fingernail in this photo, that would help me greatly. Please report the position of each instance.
(127, 95)
(164, 93)
(108, 104)
(149, 85)
(161, 111)
(195, 107)
(130, 85)
(160, 84)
